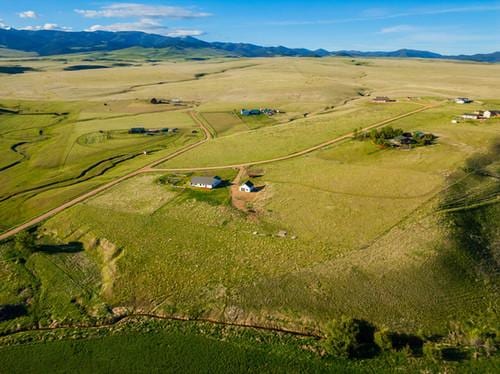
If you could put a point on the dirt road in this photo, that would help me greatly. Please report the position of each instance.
(208, 136)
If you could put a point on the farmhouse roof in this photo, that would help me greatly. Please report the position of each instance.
(248, 183)
(205, 180)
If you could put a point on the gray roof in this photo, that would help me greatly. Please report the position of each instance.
(205, 180)
(248, 183)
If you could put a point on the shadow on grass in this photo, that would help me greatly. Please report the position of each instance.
(12, 311)
(71, 247)
(454, 354)
(401, 340)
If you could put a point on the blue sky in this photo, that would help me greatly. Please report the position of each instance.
(450, 27)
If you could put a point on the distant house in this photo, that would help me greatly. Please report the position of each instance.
(137, 130)
(247, 187)
(269, 112)
(463, 100)
(491, 113)
(383, 99)
(154, 100)
(470, 116)
(250, 112)
(206, 182)
(405, 140)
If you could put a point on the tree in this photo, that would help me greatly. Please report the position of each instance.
(341, 337)
(24, 243)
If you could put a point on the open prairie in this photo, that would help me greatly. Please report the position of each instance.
(337, 226)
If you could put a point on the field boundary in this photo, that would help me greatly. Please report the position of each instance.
(123, 319)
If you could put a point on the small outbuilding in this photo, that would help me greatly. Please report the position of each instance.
(383, 99)
(463, 100)
(137, 130)
(250, 112)
(206, 182)
(247, 187)
(470, 116)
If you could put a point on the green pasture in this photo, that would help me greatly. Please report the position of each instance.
(286, 138)
(49, 150)
(169, 346)
(371, 232)
(224, 123)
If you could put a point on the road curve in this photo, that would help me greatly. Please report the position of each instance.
(208, 136)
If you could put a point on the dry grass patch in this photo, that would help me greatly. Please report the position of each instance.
(140, 195)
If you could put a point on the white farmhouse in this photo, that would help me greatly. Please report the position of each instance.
(205, 182)
(247, 187)
(491, 113)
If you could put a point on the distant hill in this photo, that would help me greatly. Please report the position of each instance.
(50, 42)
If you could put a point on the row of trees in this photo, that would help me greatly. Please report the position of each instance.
(353, 338)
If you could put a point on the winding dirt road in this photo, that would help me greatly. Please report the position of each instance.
(208, 136)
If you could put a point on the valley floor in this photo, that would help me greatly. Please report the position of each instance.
(337, 227)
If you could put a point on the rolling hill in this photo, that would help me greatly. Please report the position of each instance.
(51, 42)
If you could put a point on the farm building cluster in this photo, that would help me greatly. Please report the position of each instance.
(481, 114)
(155, 131)
(407, 139)
(174, 101)
(211, 182)
(388, 136)
(256, 112)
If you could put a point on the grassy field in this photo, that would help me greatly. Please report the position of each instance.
(197, 347)
(286, 138)
(52, 146)
(224, 123)
(365, 233)
(350, 207)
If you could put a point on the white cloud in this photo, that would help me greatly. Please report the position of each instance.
(125, 10)
(179, 33)
(397, 29)
(3, 25)
(147, 25)
(28, 14)
(47, 26)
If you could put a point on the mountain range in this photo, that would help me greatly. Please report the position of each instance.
(52, 42)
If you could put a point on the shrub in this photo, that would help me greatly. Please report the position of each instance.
(341, 337)
(350, 338)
